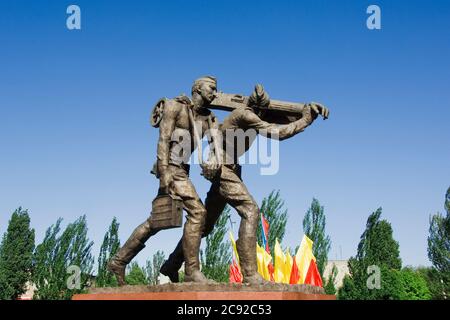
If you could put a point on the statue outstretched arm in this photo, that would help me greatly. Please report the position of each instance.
(274, 131)
(260, 99)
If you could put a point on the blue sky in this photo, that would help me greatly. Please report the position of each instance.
(74, 107)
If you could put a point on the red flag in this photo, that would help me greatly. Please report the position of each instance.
(235, 273)
(313, 276)
(295, 276)
(271, 271)
(265, 233)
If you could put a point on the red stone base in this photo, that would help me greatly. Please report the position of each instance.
(193, 291)
(204, 296)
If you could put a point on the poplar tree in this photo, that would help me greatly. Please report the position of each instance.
(152, 267)
(108, 249)
(314, 228)
(439, 248)
(16, 252)
(379, 252)
(63, 263)
(273, 209)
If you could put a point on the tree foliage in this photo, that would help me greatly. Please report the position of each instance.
(414, 285)
(436, 285)
(216, 257)
(136, 275)
(439, 239)
(314, 228)
(378, 248)
(439, 246)
(16, 252)
(108, 249)
(330, 287)
(54, 256)
(276, 214)
(152, 267)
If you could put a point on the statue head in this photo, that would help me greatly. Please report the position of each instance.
(205, 88)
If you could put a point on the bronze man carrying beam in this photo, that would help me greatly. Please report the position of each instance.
(228, 187)
(177, 118)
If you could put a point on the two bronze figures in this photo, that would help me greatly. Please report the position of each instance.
(182, 123)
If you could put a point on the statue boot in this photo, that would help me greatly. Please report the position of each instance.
(247, 259)
(191, 246)
(128, 251)
(173, 263)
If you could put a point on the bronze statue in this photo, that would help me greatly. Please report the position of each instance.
(175, 118)
(227, 185)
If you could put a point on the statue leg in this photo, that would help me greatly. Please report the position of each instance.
(235, 192)
(134, 244)
(171, 266)
(193, 227)
(214, 205)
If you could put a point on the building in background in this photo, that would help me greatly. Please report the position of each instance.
(342, 267)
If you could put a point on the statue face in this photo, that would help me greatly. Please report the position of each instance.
(208, 91)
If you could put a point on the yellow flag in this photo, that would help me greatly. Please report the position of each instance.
(280, 261)
(263, 260)
(287, 267)
(233, 243)
(303, 257)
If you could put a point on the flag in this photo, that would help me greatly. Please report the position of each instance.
(280, 261)
(295, 276)
(313, 275)
(265, 233)
(263, 261)
(287, 267)
(233, 244)
(235, 273)
(235, 270)
(260, 260)
(271, 270)
(303, 257)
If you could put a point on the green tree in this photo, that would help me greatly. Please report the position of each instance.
(378, 248)
(377, 245)
(329, 286)
(439, 245)
(56, 255)
(108, 249)
(434, 282)
(447, 200)
(276, 214)
(314, 228)
(216, 257)
(414, 285)
(348, 291)
(136, 275)
(152, 267)
(16, 252)
(46, 271)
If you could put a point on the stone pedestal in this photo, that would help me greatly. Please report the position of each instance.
(220, 291)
